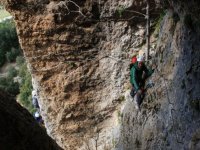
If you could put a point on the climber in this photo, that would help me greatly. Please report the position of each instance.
(138, 74)
(133, 61)
(38, 117)
(35, 100)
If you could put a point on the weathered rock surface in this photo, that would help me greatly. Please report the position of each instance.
(73, 49)
(19, 130)
(169, 118)
(78, 56)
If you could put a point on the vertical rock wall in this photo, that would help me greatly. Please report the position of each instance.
(169, 118)
(74, 51)
(77, 54)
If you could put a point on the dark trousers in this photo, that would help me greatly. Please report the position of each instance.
(138, 97)
(141, 85)
(133, 91)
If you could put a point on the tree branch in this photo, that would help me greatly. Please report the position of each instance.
(64, 3)
(79, 9)
(107, 19)
(139, 13)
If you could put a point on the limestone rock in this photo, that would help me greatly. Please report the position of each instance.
(79, 52)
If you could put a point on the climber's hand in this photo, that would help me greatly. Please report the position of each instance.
(142, 89)
(153, 67)
(139, 91)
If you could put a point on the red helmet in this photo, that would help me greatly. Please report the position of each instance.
(134, 59)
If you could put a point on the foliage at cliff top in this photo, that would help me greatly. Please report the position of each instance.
(7, 83)
(3, 14)
(9, 45)
(10, 52)
(25, 97)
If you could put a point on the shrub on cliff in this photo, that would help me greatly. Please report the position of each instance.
(7, 83)
(12, 72)
(9, 86)
(20, 60)
(2, 57)
(23, 88)
(10, 51)
(25, 97)
(9, 45)
(12, 55)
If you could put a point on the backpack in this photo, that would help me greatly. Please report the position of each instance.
(133, 61)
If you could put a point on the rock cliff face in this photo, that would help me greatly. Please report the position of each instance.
(169, 118)
(19, 130)
(78, 53)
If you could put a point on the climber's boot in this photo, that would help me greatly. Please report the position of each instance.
(137, 100)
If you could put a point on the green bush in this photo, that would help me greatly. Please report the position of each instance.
(25, 93)
(2, 57)
(20, 60)
(13, 88)
(9, 45)
(10, 51)
(12, 72)
(12, 55)
(7, 83)
(25, 96)
(24, 89)
(9, 86)
(23, 72)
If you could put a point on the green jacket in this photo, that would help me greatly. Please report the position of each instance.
(136, 74)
